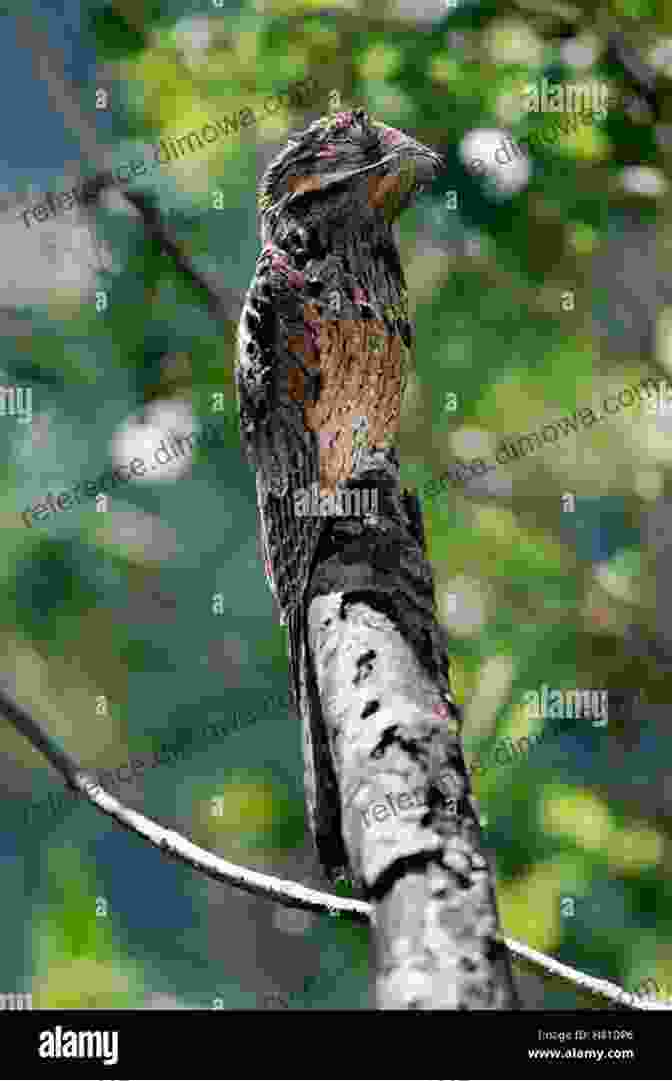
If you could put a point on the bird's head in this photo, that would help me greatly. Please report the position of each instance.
(345, 149)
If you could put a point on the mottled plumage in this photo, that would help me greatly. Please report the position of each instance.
(324, 336)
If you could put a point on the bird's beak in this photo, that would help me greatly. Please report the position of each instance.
(428, 164)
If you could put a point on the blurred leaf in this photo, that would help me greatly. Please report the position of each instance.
(78, 964)
(115, 38)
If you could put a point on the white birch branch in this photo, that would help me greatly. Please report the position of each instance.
(437, 932)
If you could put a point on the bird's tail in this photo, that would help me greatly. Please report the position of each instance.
(321, 785)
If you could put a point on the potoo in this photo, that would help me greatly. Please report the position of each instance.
(324, 343)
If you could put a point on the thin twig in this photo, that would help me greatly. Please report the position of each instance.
(604, 989)
(222, 304)
(568, 13)
(169, 842)
(175, 846)
(48, 66)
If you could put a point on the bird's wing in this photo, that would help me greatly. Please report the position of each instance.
(272, 378)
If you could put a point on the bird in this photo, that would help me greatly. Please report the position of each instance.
(324, 342)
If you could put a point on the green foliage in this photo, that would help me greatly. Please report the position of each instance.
(115, 38)
(78, 962)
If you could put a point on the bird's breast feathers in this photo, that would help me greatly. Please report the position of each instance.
(360, 362)
(337, 330)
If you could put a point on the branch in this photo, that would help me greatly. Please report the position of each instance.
(566, 13)
(377, 669)
(221, 303)
(174, 846)
(609, 993)
(48, 65)
(170, 843)
(638, 74)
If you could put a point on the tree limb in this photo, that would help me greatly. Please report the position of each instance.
(380, 672)
(438, 936)
(174, 846)
(169, 842)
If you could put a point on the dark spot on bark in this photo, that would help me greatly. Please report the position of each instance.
(467, 965)
(314, 288)
(394, 734)
(388, 737)
(364, 662)
(416, 863)
(369, 708)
